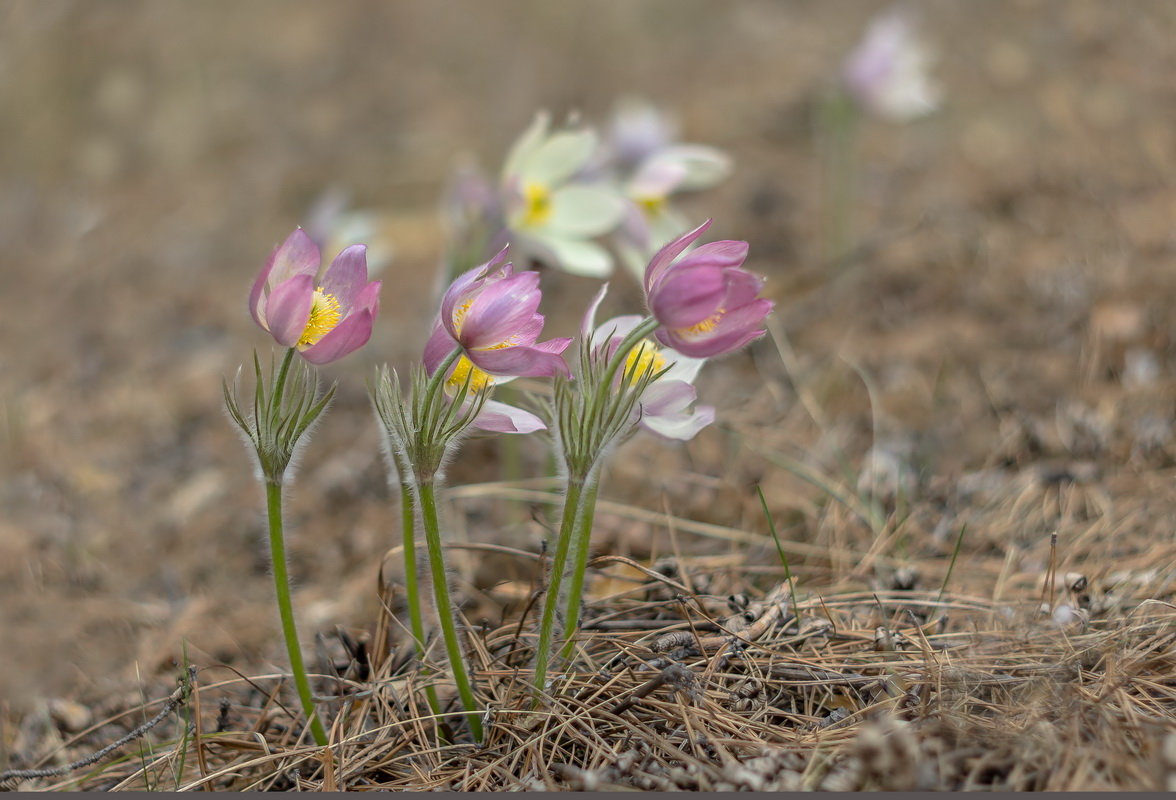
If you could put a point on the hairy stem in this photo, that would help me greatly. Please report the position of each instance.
(273, 497)
(411, 585)
(581, 539)
(558, 565)
(445, 610)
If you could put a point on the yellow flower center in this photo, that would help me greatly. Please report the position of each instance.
(651, 205)
(324, 316)
(644, 357)
(536, 205)
(465, 370)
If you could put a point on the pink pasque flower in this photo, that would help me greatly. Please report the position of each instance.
(490, 312)
(325, 317)
(665, 405)
(706, 303)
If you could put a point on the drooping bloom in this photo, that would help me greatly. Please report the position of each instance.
(888, 71)
(705, 302)
(325, 317)
(550, 214)
(490, 313)
(665, 405)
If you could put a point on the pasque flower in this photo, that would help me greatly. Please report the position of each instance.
(549, 212)
(324, 317)
(705, 303)
(490, 313)
(888, 72)
(664, 405)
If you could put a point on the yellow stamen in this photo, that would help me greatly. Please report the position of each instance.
(537, 205)
(459, 315)
(463, 370)
(644, 357)
(324, 316)
(706, 326)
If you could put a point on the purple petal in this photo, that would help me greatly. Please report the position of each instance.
(688, 296)
(522, 362)
(503, 418)
(295, 256)
(743, 287)
(349, 335)
(469, 284)
(501, 310)
(664, 257)
(724, 253)
(287, 309)
(298, 255)
(736, 329)
(440, 345)
(556, 346)
(368, 297)
(347, 276)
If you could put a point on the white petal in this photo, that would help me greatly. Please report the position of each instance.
(702, 167)
(558, 158)
(585, 211)
(681, 426)
(525, 146)
(574, 255)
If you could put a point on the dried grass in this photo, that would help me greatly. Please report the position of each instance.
(723, 687)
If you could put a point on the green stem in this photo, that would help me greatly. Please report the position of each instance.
(438, 376)
(839, 120)
(581, 538)
(273, 497)
(445, 611)
(558, 564)
(412, 587)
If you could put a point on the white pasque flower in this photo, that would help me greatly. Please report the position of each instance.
(552, 214)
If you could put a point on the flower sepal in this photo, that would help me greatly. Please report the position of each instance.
(287, 402)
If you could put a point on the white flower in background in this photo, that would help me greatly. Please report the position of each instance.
(550, 215)
(888, 71)
(653, 169)
(638, 129)
(332, 227)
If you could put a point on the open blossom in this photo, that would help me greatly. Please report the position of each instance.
(706, 303)
(888, 72)
(665, 405)
(549, 213)
(490, 313)
(325, 317)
